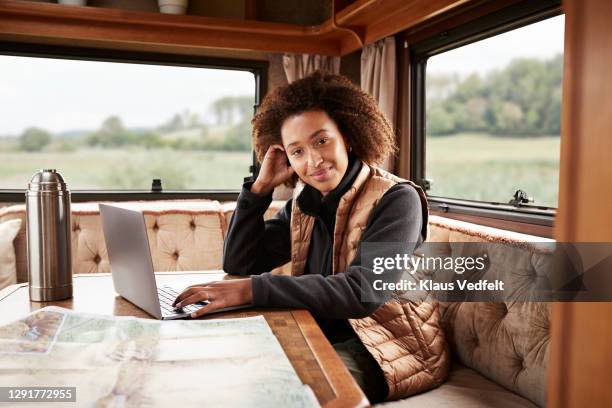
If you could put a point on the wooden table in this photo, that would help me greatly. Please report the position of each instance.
(312, 356)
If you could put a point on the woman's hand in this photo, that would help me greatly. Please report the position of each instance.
(274, 171)
(234, 292)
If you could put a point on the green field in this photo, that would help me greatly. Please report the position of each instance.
(129, 169)
(470, 166)
(487, 168)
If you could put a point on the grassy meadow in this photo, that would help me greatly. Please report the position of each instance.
(469, 166)
(130, 168)
(486, 168)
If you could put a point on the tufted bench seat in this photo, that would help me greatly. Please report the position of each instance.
(500, 349)
(183, 235)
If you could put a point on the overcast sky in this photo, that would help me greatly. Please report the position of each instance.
(60, 95)
(540, 40)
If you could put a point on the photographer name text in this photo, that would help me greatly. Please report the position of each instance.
(429, 285)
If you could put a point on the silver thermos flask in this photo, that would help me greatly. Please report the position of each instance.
(48, 237)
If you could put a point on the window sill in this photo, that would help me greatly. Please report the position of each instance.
(79, 196)
(525, 219)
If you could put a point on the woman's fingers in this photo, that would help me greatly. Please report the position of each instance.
(220, 294)
(185, 293)
(195, 298)
(274, 169)
(273, 152)
(275, 156)
(188, 291)
(209, 308)
(275, 147)
(194, 294)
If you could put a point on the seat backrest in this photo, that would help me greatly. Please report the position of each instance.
(183, 234)
(506, 341)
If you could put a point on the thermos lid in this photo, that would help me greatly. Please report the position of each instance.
(47, 180)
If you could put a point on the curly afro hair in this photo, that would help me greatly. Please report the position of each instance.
(357, 115)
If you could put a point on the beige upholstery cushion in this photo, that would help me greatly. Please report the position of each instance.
(17, 212)
(8, 268)
(464, 388)
(507, 342)
(183, 234)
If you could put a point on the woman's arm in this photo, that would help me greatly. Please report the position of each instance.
(396, 219)
(252, 245)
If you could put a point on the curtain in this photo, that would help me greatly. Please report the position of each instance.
(298, 66)
(378, 78)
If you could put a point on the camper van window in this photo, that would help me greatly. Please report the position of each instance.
(492, 115)
(118, 125)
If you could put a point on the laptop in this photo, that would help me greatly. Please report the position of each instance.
(131, 265)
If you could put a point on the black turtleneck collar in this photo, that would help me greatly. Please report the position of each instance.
(312, 202)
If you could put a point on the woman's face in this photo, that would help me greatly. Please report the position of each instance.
(316, 149)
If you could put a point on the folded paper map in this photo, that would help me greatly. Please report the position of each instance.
(131, 362)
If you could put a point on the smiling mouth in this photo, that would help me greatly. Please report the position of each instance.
(321, 174)
(322, 171)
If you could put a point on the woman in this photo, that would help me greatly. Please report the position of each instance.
(326, 134)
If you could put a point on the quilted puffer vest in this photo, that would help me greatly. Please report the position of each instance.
(404, 337)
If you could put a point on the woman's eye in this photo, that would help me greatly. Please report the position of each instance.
(322, 141)
(296, 152)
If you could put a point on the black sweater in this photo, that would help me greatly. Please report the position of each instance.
(254, 246)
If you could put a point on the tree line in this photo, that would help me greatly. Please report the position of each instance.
(232, 113)
(523, 99)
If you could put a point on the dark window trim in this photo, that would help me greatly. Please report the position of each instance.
(507, 19)
(258, 68)
(82, 196)
(530, 215)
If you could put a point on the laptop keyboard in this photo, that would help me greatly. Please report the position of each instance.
(167, 295)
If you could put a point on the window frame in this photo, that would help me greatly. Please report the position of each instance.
(498, 22)
(258, 68)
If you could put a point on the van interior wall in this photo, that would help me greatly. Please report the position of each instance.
(580, 370)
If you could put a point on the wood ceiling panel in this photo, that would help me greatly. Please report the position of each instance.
(47, 20)
(363, 21)
(377, 19)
